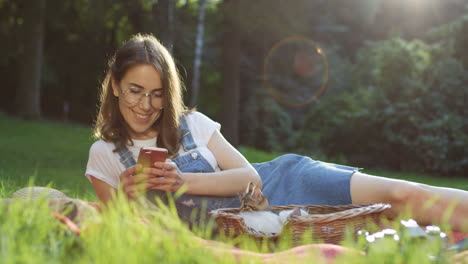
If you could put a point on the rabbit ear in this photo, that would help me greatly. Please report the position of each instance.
(250, 187)
(257, 193)
(296, 211)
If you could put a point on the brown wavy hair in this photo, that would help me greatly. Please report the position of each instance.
(110, 125)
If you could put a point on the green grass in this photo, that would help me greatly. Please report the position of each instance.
(452, 182)
(46, 152)
(55, 154)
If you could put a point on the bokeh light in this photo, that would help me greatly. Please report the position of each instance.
(295, 71)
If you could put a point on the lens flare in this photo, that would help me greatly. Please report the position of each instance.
(295, 71)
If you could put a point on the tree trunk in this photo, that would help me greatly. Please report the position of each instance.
(231, 75)
(198, 53)
(164, 12)
(29, 93)
(134, 12)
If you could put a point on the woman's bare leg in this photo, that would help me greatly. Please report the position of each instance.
(427, 204)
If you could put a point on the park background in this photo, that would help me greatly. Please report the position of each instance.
(379, 84)
(369, 83)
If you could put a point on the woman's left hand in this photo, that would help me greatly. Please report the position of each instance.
(165, 177)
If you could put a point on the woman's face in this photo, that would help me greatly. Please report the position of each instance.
(140, 99)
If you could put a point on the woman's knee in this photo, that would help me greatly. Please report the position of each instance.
(399, 193)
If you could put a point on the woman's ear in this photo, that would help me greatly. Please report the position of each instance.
(115, 87)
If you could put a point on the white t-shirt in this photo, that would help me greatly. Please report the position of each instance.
(105, 165)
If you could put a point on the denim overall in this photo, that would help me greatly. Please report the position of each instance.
(193, 161)
(287, 180)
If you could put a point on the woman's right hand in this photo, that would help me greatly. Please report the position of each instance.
(165, 176)
(134, 182)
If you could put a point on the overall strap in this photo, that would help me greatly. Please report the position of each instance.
(187, 140)
(126, 157)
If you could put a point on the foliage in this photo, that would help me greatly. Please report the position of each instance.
(407, 111)
(336, 127)
(419, 104)
(334, 124)
(31, 235)
(266, 125)
(444, 135)
(28, 235)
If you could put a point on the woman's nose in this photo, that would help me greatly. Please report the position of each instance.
(145, 103)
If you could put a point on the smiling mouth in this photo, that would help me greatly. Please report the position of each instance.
(142, 118)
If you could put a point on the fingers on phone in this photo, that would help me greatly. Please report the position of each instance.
(129, 172)
(161, 183)
(167, 165)
(135, 190)
(158, 164)
(125, 181)
(156, 172)
(141, 177)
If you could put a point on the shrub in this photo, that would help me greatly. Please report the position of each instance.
(266, 125)
(406, 111)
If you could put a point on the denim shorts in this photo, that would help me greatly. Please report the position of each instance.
(298, 180)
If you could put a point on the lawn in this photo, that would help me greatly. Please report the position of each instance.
(54, 153)
(44, 152)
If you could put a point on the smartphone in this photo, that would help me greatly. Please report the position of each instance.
(149, 155)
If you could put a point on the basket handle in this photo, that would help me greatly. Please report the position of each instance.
(363, 210)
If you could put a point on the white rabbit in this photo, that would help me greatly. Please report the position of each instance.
(262, 221)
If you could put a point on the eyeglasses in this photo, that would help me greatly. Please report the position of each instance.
(133, 96)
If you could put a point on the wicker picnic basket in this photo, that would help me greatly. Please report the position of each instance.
(326, 224)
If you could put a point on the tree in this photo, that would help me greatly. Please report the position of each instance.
(29, 92)
(165, 17)
(230, 82)
(134, 12)
(198, 52)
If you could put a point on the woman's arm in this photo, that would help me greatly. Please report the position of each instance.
(129, 181)
(235, 174)
(104, 191)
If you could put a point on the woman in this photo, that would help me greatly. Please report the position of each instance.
(141, 105)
